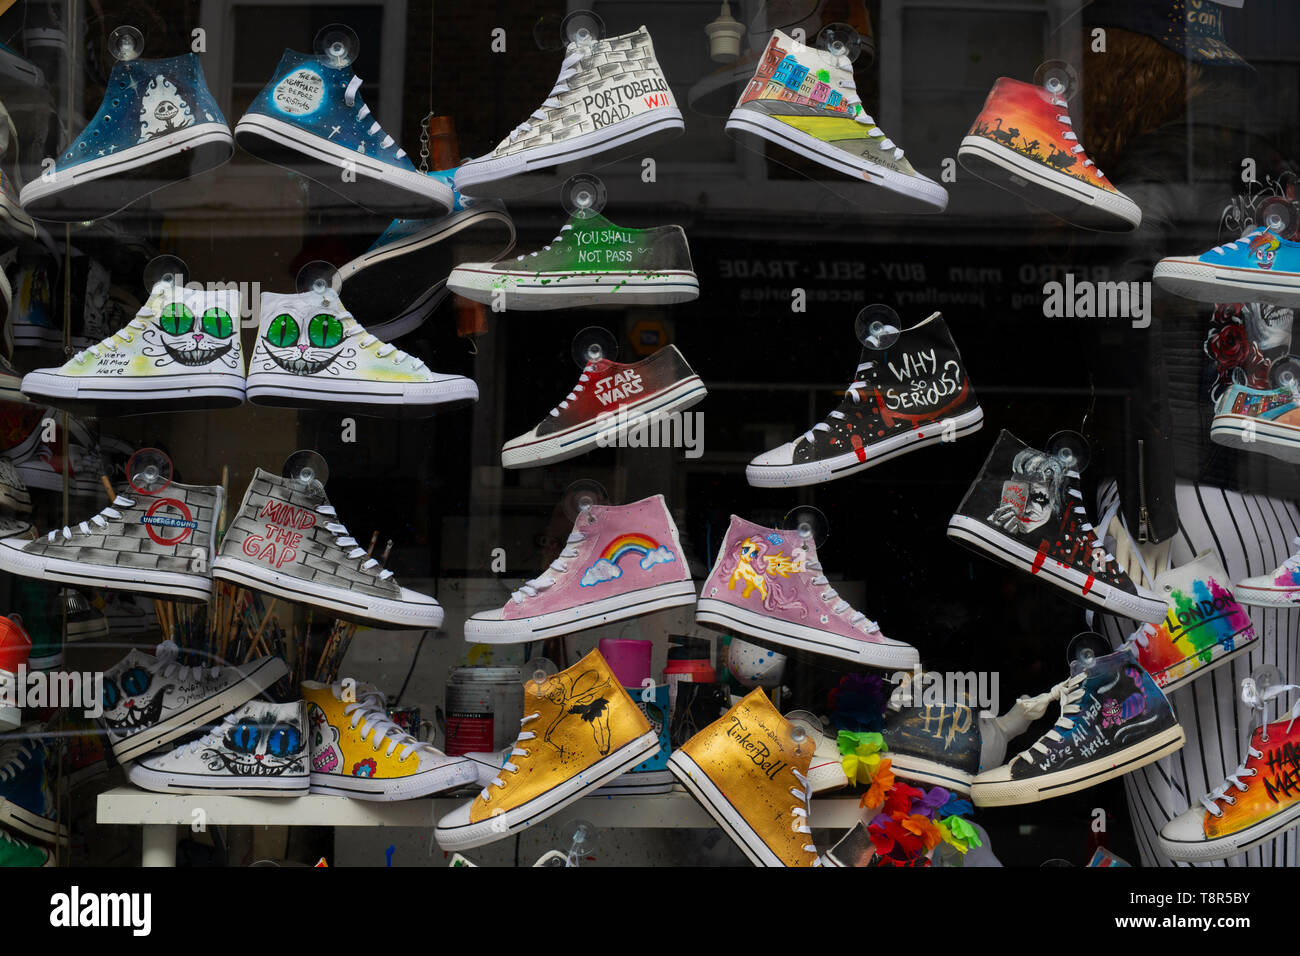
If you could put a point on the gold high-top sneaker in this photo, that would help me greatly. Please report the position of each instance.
(750, 774)
(580, 729)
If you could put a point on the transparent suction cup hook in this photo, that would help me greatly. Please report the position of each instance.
(125, 43)
(1084, 649)
(580, 496)
(1277, 215)
(593, 344)
(169, 270)
(877, 326)
(582, 27)
(1058, 78)
(582, 841)
(537, 672)
(337, 45)
(308, 471)
(808, 524)
(149, 471)
(840, 39)
(1071, 448)
(320, 277)
(584, 196)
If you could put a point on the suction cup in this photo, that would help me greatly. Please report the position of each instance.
(593, 344)
(1058, 78)
(537, 672)
(583, 196)
(582, 27)
(337, 45)
(581, 495)
(170, 270)
(1085, 648)
(877, 326)
(1276, 215)
(149, 471)
(840, 39)
(583, 837)
(808, 523)
(1266, 677)
(125, 43)
(546, 33)
(308, 470)
(1284, 373)
(1071, 448)
(319, 276)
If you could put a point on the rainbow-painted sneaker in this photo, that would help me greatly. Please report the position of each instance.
(1279, 588)
(1261, 266)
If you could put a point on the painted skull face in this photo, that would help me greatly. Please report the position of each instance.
(195, 341)
(305, 348)
(132, 699)
(165, 111)
(326, 757)
(258, 745)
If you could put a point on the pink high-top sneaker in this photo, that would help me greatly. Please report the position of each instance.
(619, 561)
(768, 584)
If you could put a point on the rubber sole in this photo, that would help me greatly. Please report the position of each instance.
(542, 291)
(716, 805)
(583, 616)
(1204, 282)
(378, 399)
(184, 391)
(161, 781)
(930, 772)
(1256, 435)
(1197, 851)
(165, 584)
(455, 773)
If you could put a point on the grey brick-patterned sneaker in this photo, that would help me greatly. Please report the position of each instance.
(160, 544)
(287, 540)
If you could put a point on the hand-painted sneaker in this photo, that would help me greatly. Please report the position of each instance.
(750, 774)
(912, 394)
(620, 561)
(935, 743)
(14, 495)
(1024, 141)
(397, 283)
(1281, 588)
(15, 223)
(312, 353)
(1260, 420)
(27, 801)
(1203, 628)
(15, 852)
(157, 124)
(181, 351)
(1261, 266)
(583, 730)
(591, 262)
(311, 118)
(1025, 510)
(287, 540)
(610, 400)
(160, 545)
(769, 584)
(825, 768)
(610, 101)
(1245, 811)
(805, 100)
(1113, 720)
(151, 699)
(40, 463)
(15, 649)
(258, 750)
(357, 751)
(650, 775)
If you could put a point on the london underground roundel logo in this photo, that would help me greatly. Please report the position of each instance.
(168, 521)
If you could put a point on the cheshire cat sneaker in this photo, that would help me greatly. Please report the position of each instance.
(258, 750)
(151, 699)
(358, 751)
(312, 119)
(157, 124)
(1261, 266)
(610, 101)
(751, 775)
(27, 801)
(591, 262)
(312, 353)
(181, 351)
(1279, 588)
(1259, 420)
(396, 284)
(610, 402)
(1113, 720)
(805, 100)
(769, 584)
(1025, 510)
(1258, 802)
(620, 561)
(825, 769)
(159, 544)
(1024, 141)
(287, 540)
(580, 730)
(932, 742)
(912, 394)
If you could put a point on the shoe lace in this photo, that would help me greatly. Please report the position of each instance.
(169, 667)
(350, 97)
(573, 395)
(559, 566)
(1255, 699)
(100, 521)
(1142, 636)
(1293, 563)
(1223, 249)
(15, 758)
(861, 115)
(1108, 562)
(841, 606)
(369, 711)
(352, 328)
(122, 336)
(212, 738)
(1068, 693)
(1071, 135)
(800, 812)
(344, 540)
(516, 751)
(568, 70)
(546, 248)
(853, 393)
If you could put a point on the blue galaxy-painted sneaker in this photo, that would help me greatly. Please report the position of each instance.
(311, 119)
(396, 284)
(1261, 266)
(26, 800)
(158, 124)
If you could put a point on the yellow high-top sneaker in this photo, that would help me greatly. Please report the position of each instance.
(751, 775)
(580, 729)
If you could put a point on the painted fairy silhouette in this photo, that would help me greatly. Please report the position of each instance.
(582, 697)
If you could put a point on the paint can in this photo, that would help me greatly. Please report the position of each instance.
(484, 707)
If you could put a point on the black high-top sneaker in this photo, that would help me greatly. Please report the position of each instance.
(934, 742)
(911, 394)
(1114, 719)
(1025, 509)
